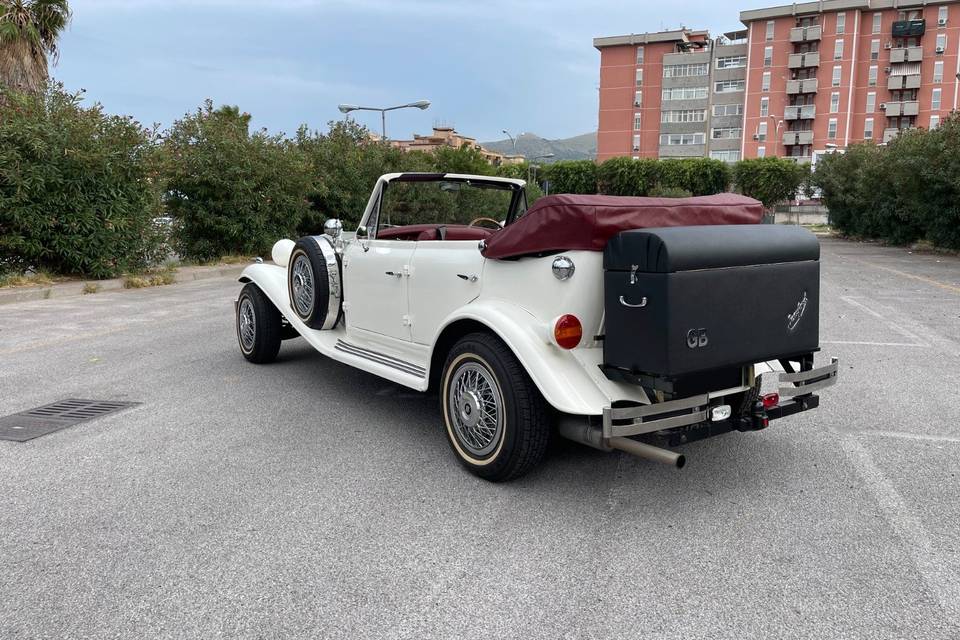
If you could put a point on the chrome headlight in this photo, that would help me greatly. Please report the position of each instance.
(563, 268)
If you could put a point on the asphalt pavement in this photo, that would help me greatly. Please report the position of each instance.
(308, 499)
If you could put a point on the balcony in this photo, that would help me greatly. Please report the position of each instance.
(797, 137)
(800, 112)
(908, 28)
(802, 86)
(799, 159)
(906, 54)
(894, 109)
(801, 60)
(805, 34)
(903, 82)
(890, 134)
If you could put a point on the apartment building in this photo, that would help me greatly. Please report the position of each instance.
(671, 94)
(800, 80)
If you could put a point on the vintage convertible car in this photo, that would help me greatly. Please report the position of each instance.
(633, 324)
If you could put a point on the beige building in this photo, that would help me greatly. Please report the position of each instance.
(448, 137)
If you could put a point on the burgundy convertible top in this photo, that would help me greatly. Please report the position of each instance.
(566, 222)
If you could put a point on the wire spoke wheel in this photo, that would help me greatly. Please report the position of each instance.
(303, 285)
(476, 407)
(247, 325)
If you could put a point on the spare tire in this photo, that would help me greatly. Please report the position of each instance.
(314, 277)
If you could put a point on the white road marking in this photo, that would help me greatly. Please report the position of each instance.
(893, 325)
(910, 436)
(943, 585)
(875, 344)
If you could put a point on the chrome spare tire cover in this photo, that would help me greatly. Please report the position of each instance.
(314, 282)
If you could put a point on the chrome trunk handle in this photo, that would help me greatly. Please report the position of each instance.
(642, 303)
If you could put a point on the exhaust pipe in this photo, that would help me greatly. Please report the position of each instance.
(581, 431)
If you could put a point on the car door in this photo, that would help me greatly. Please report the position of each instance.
(445, 275)
(375, 275)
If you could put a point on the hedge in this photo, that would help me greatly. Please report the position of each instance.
(77, 195)
(628, 177)
(902, 192)
(769, 180)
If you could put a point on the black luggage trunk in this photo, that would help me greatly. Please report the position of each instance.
(680, 300)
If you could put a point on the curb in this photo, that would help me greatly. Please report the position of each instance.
(70, 289)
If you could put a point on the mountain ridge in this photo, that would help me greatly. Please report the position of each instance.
(581, 147)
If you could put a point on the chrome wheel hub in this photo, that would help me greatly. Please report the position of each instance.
(475, 405)
(302, 279)
(247, 327)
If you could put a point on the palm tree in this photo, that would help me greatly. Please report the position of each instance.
(29, 30)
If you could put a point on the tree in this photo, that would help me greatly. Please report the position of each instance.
(29, 30)
(769, 180)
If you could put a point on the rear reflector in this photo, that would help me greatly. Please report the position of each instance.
(567, 331)
(770, 400)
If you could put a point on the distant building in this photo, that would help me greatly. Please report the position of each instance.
(800, 80)
(448, 137)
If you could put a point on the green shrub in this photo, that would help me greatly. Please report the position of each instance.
(76, 192)
(659, 191)
(626, 177)
(697, 176)
(229, 191)
(769, 180)
(572, 176)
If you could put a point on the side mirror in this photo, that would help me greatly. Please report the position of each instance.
(362, 232)
(333, 228)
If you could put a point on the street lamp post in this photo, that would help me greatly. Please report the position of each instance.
(419, 104)
(776, 132)
(512, 141)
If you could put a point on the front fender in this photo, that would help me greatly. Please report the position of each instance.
(570, 381)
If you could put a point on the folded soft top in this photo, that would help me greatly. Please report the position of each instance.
(567, 222)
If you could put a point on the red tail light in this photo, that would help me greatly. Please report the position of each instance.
(567, 331)
(770, 400)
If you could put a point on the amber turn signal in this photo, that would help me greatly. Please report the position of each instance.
(567, 331)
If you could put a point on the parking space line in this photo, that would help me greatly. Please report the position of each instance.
(938, 579)
(875, 344)
(931, 281)
(893, 325)
(910, 436)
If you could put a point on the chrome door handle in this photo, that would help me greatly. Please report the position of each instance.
(394, 274)
(642, 303)
(470, 278)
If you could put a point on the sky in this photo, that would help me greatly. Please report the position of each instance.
(486, 65)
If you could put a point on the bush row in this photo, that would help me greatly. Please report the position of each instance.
(905, 191)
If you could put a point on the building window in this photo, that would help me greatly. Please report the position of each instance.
(685, 70)
(636, 122)
(727, 155)
(838, 49)
(874, 49)
(726, 133)
(720, 110)
(674, 139)
(762, 131)
(837, 70)
(761, 152)
(841, 22)
(871, 102)
(764, 107)
(636, 143)
(639, 77)
(868, 129)
(938, 71)
(941, 43)
(942, 16)
(729, 86)
(770, 25)
(935, 98)
(872, 76)
(768, 56)
(731, 62)
(684, 93)
(832, 128)
(765, 82)
(934, 121)
(637, 98)
(835, 102)
(639, 55)
(684, 115)
(877, 17)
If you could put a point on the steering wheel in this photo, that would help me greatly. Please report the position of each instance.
(474, 222)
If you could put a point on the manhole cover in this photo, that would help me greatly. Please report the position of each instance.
(40, 421)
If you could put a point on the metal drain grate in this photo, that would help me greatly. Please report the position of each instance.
(40, 421)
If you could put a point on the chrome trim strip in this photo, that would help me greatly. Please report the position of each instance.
(643, 419)
(805, 382)
(333, 281)
(800, 376)
(381, 358)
